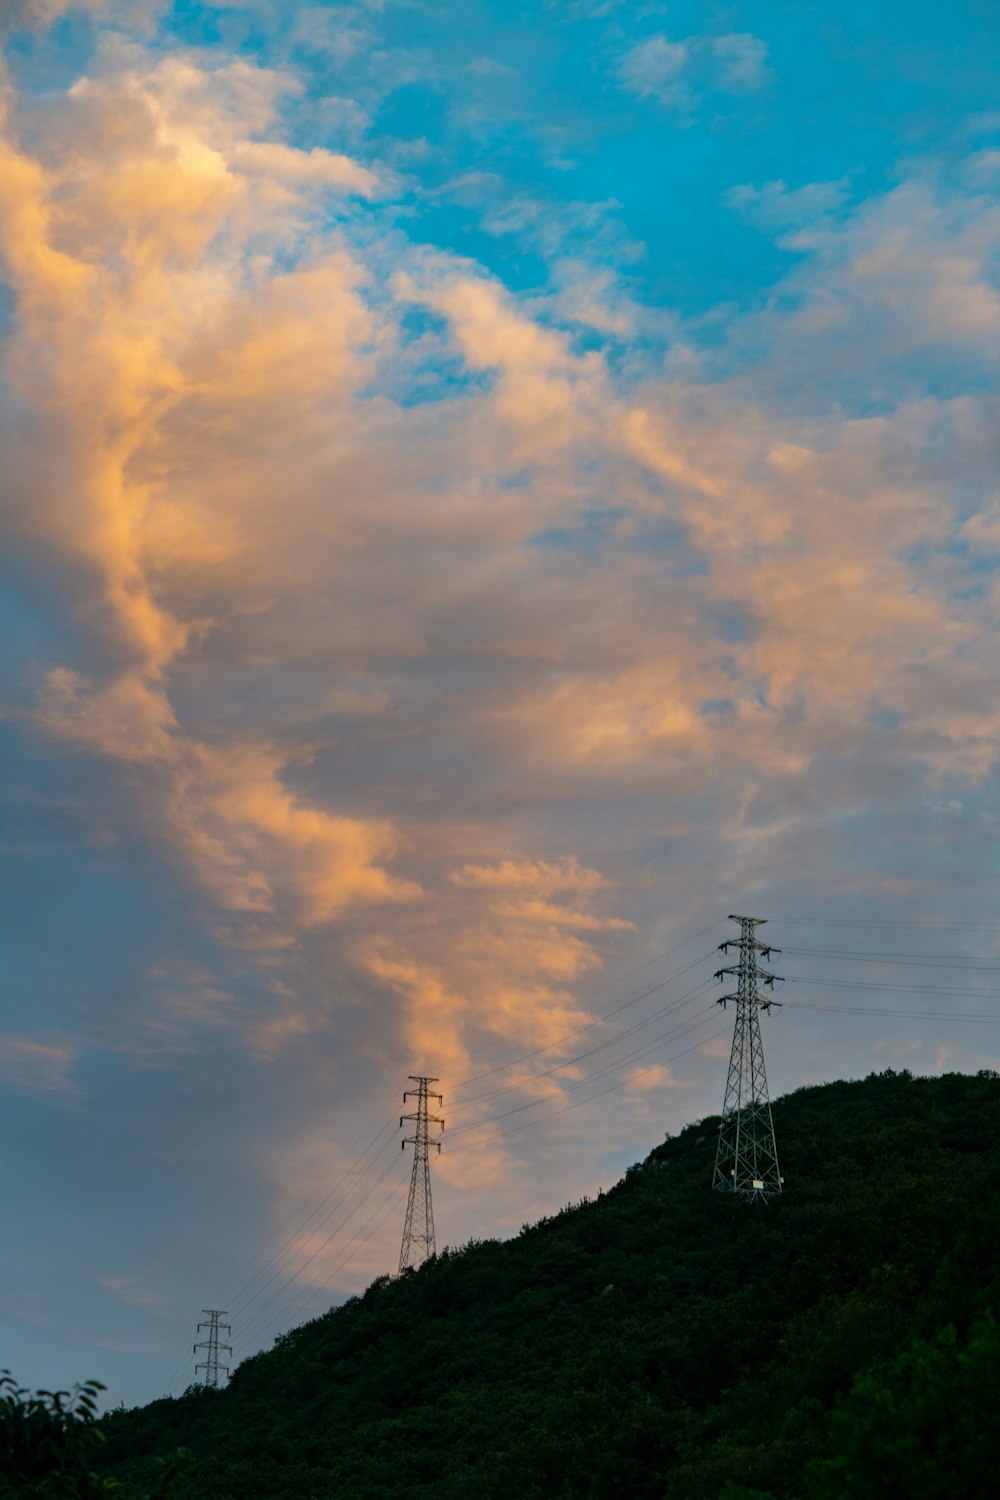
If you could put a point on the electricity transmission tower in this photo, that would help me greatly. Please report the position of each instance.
(418, 1231)
(211, 1364)
(746, 1161)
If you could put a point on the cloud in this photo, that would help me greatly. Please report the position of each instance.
(127, 1291)
(36, 1066)
(318, 166)
(329, 589)
(593, 298)
(171, 333)
(741, 61)
(410, 643)
(137, 15)
(677, 73)
(655, 1076)
(544, 391)
(982, 530)
(777, 206)
(901, 285)
(656, 68)
(429, 647)
(527, 875)
(252, 845)
(47, 11)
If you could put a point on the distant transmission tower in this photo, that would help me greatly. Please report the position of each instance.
(211, 1364)
(418, 1231)
(747, 1158)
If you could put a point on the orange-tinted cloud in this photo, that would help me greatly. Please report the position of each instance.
(367, 648)
(129, 314)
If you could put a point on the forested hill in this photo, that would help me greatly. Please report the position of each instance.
(663, 1340)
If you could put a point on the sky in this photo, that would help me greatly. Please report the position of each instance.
(488, 492)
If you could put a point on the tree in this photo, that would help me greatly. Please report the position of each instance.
(47, 1440)
(922, 1425)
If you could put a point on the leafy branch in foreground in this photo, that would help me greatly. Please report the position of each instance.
(48, 1441)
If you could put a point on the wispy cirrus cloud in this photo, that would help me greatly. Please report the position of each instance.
(26, 1063)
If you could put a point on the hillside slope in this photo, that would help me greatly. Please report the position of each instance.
(661, 1340)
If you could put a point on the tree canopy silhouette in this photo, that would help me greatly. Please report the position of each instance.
(660, 1340)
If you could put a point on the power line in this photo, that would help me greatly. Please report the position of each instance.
(303, 1297)
(577, 1104)
(579, 1083)
(902, 1015)
(975, 964)
(304, 1265)
(888, 984)
(304, 1294)
(186, 1358)
(570, 1062)
(354, 1174)
(587, 1026)
(614, 1010)
(582, 1082)
(593, 994)
(357, 1168)
(616, 1063)
(868, 922)
(179, 1370)
(360, 1166)
(643, 1051)
(255, 1299)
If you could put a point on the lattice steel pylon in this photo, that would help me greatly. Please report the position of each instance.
(211, 1364)
(418, 1231)
(746, 1161)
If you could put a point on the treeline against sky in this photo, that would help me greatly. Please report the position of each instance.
(659, 1340)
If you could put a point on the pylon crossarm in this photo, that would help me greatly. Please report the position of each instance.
(757, 947)
(741, 972)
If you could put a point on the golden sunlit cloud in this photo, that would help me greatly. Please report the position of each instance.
(283, 545)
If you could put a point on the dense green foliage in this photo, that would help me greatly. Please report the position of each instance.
(927, 1419)
(663, 1340)
(48, 1441)
(49, 1444)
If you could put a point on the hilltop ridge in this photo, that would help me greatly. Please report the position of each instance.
(658, 1340)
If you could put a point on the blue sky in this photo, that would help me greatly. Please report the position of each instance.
(490, 492)
(496, 113)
